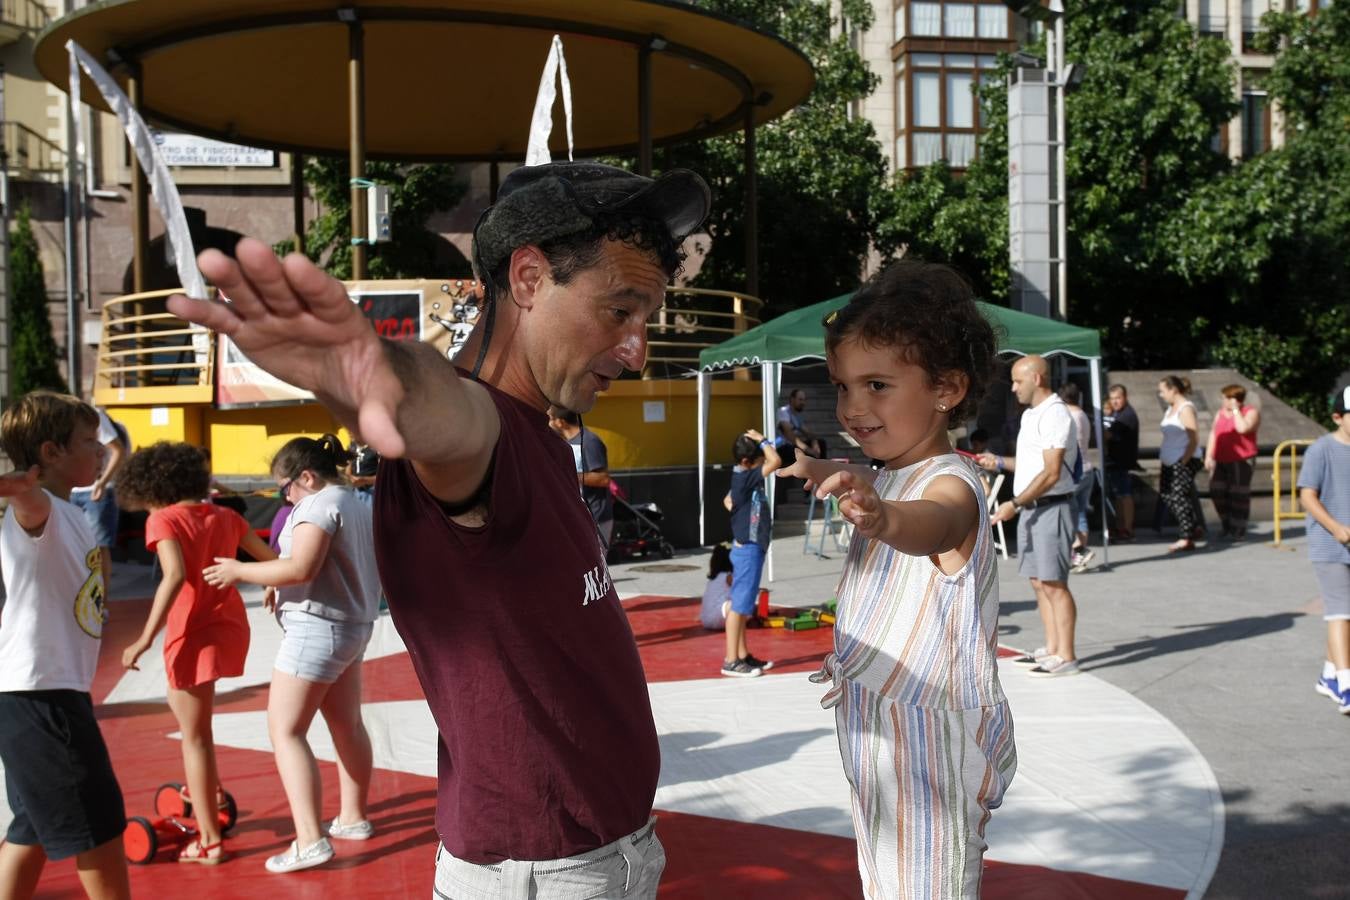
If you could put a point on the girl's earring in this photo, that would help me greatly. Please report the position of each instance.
(942, 407)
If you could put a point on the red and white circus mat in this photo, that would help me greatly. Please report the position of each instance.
(1110, 799)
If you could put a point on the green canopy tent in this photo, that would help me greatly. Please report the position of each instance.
(799, 335)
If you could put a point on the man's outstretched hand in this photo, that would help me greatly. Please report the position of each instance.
(295, 321)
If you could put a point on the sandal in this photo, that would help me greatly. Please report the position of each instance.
(197, 852)
(1181, 545)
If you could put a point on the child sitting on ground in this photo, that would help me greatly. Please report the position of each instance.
(206, 629)
(58, 777)
(751, 528)
(717, 594)
(924, 728)
(1324, 491)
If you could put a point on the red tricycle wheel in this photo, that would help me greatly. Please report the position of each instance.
(229, 815)
(169, 802)
(139, 841)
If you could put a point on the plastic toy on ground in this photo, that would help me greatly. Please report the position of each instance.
(172, 827)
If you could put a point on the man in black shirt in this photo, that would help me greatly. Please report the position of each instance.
(1122, 455)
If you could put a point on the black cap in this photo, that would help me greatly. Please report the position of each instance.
(1340, 401)
(541, 203)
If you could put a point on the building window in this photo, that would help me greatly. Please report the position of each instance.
(927, 100)
(993, 22)
(1255, 124)
(958, 19)
(960, 101)
(1253, 10)
(925, 19)
(927, 147)
(899, 22)
(960, 149)
(901, 153)
(1213, 17)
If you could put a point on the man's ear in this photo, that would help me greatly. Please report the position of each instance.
(525, 273)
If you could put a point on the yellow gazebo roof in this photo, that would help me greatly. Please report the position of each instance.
(445, 79)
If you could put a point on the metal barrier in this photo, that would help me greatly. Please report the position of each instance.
(692, 320)
(1294, 511)
(149, 355)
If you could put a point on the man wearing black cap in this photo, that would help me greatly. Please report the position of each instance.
(548, 757)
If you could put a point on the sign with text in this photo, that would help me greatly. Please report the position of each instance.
(191, 150)
(395, 314)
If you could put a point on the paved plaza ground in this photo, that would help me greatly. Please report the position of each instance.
(1192, 758)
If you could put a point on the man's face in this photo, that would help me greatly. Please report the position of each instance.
(580, 336)
(1116, 400)
(798, 401)
(1023, 384)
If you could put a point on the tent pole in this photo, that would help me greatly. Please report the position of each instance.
(1095, 367)
(704, 383)
(768, 377)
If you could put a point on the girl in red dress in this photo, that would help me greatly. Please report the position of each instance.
(205, 628)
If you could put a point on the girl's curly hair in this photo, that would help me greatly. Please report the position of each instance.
(163, 474)
(927, 313)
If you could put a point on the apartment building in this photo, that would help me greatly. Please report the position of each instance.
(929, 54)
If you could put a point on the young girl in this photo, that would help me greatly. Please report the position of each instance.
(206, 630)
(328, 602)
(924, 729)
(717, 593)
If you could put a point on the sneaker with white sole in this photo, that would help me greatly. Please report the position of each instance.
(1081, 560)
(295, 859)
(740, 669)
(1328, 687)
(755, 662)
(1030, 659)
(1054, 667)
(357, 831)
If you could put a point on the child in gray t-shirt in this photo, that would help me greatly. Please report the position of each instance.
(347, 585)
(1324, 491)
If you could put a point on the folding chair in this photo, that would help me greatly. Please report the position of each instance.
(1001, 542)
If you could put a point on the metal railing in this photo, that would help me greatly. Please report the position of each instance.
(1291, 510)
(144, 346)
(145, 349)
(693, 320)
(29, 153)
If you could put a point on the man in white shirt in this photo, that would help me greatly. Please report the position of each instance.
(1047, 451)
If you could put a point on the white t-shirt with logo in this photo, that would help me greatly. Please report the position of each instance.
(1046, 426)
(54, 613)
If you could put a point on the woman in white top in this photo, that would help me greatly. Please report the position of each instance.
(1178, 455)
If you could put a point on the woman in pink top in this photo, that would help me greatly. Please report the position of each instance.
(1229, 459)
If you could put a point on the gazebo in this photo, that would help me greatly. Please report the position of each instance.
(798, 335)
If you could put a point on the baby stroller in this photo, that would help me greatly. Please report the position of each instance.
(637, 529)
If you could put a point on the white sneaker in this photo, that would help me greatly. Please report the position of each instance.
(295, 859)
(357, 831)
(1081, 559)
(1054, 667)
(1030, 659)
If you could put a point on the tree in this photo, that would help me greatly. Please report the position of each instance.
(417, 192)
(33, 352)
(817, 167)
(1140, 138)
(1272, 237)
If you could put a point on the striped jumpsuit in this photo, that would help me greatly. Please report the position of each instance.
(924, 728)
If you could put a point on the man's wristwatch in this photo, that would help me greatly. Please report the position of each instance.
(1016, 506)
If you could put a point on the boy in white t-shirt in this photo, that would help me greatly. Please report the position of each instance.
(59, 779)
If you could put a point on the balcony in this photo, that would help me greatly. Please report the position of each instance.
(148, 356)
(21, 17)
(30, 156)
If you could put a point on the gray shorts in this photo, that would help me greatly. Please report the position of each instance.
(1334, 580)
(1044, 538)
(318, 649)
(630, 867)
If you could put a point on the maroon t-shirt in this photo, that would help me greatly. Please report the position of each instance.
(547, 744)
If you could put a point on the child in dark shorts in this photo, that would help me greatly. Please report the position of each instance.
(58, 777)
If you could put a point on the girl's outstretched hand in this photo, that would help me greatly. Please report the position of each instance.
(223, 574)
(859, 502)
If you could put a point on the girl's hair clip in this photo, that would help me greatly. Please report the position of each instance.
(829, 318)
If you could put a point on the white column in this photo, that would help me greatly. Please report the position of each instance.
(770, 372)
(1095, 369)
(704, 387)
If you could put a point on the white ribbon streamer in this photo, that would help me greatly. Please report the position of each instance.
(152, 163)
(541, 123)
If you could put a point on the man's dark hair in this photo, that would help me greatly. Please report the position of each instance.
(746, 447)
(792, 394)
(1118, 387)
(1069, 393)
(926, 312)
(577, 252)
(568, 416)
